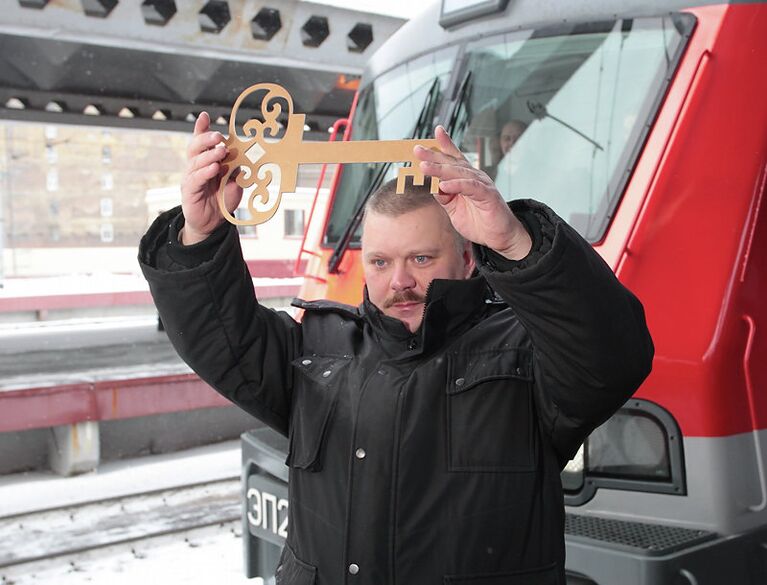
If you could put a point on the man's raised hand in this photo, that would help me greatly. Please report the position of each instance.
(200, 182)
(472, 201)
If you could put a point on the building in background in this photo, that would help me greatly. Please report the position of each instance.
(77, 199)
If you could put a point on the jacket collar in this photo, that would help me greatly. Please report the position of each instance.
(451, 307)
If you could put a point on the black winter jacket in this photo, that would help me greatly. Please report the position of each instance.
(426, 458)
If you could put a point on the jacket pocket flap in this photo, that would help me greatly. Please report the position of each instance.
(321, 369)
(293, 571)
(314, 400)
(469, 369)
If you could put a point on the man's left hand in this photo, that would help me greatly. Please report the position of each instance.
(472, 201)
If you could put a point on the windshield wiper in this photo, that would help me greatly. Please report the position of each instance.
(464, 92)
(539, 110)
(421, 130)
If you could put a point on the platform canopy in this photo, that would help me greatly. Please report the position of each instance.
(157, 63)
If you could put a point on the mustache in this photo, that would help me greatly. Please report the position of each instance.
(407, 296)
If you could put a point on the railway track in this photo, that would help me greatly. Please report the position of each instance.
(67, 532)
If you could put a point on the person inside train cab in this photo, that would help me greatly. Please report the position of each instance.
(499, 144)
(510, 133)
(427, 426)
(509, 161)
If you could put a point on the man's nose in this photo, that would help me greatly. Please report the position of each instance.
(401, 278)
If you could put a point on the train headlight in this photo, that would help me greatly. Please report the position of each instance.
(639, 448)
(629, 445)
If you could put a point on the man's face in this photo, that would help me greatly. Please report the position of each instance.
(401, 256)
(510, 133)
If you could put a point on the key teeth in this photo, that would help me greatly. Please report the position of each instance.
(418, 179)
(401, 182)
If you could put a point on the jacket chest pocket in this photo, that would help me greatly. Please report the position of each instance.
(490, 418)
(315, 395)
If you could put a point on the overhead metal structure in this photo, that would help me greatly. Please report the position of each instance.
(158, 63)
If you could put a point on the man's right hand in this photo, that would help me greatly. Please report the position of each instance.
(200, 183)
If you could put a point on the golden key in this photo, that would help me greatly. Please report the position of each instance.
(261, 157)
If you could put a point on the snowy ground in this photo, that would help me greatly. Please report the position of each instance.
(32, 491)
(200, 557)
(213, 554)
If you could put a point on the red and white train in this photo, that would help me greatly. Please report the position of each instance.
(644, 124)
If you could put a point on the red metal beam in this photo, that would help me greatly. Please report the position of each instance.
(33, 408)
(117, 399)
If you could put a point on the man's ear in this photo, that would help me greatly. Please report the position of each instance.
(468, 260)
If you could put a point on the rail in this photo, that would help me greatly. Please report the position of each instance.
(68, 531)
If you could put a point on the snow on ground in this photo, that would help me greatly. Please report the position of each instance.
(200, 557)
(27, 492)
(48, 379)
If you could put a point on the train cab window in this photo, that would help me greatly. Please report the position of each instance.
(388, 109)
(561, 116)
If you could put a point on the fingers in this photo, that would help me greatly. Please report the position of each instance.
(447, 150)
(468, 187)
(203, 169)
(202, 142)
(195, 181)
(232, 195)
(448, 171)
(208, 157)
(444, 199)
(442, 166)
(428, 155)
(446, 144)
(202, 123)
(455, 173)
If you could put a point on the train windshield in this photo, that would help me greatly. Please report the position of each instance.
(389, 109)
(555, 116)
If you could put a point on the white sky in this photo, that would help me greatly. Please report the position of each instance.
(400, 8)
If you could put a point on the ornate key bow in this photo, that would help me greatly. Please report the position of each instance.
(261, 155)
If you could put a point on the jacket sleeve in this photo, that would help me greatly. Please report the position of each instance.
(205, 298)
(591, 345)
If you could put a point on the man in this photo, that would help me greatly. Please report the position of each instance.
(510, 133)
(427, 426)
(499, 146)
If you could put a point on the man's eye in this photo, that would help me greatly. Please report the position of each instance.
(378, 263)
(421, 259)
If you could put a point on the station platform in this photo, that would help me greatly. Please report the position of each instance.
(92, 370)
(35, 491)
(77, 392)
(41, 298)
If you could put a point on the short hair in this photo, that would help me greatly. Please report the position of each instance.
(386, 201)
